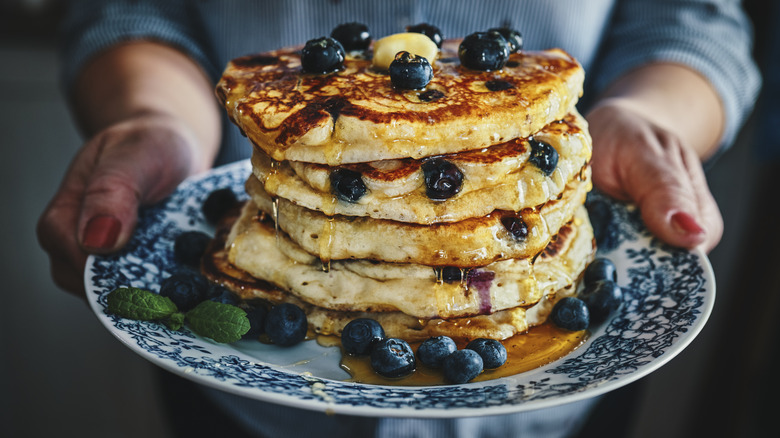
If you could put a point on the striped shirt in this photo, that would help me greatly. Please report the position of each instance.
(608, 37)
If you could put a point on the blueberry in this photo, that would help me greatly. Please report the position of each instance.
(322, 55)
(600, 269)
(352, 36)
(442, 179)
(451, 274)
(604, 221)
(513, 38)
(221, 294)
(430, 95)
(392, 357)
(485, 51)
(462, 366)
(217, 204)
(516, 226)
(360, 335)
(433, 351)
(544, 156)
(410, 72)
(432, 32)
(185, 288)
(347, 185)
(602, 298)
(189, 247)
(492, 352)
(286, 324)
(257, 316)
(571, 314)
(498, 85)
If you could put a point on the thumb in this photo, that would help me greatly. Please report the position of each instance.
(132, 169)
(673, 199)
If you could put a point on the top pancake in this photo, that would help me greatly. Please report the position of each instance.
(356, 115)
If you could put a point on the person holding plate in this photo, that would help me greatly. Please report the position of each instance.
(668, 86)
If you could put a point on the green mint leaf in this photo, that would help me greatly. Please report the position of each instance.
(218, 321)
(134, 303)
(175, 321)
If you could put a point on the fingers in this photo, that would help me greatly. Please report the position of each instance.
(650, 167)
(709, 213)
(95, 210)
(55, 231)
(134, 167)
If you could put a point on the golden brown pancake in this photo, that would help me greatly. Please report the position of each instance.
(355, 115)
(496, 178)
(471, 242)
(257, 248)
(554, 275)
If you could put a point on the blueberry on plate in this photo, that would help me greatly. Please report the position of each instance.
(602, 298)
(286, 324)
(410, 72)
(392, 357)
(600, 268)
(186, 288)
(217, 204)
(604, 221)
(492, 352)
(256, 316)
(442, 179)
(360, 335)
(570, 313)
(513, 38)
(544, 156)
(433, 351)
(352, 36)
(189, 247)
(462, 366)
(347, 185)
(431, 31)
(486, 51)
(322, 55)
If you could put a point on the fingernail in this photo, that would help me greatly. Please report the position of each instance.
(684, 223)
(101, 232)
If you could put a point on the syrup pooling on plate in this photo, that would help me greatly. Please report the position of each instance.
(542, 345)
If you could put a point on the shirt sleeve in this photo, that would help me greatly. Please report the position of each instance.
(91, 26)
(712, 37)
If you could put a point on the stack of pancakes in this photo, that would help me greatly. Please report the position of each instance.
(488, 261)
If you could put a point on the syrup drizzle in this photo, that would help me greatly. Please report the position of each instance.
(526, 351)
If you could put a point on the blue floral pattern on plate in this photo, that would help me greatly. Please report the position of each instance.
(668, 296)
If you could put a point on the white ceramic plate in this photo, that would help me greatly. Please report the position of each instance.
(668, 296)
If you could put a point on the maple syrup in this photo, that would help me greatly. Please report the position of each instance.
(538, 347)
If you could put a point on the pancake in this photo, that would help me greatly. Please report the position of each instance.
(495, 178)
(257, 248)
(564, 257)
(472, 242)
(355, 115)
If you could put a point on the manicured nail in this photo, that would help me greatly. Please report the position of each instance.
(684, 223)
(101, 232)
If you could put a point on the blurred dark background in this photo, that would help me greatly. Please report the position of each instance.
(62, 374)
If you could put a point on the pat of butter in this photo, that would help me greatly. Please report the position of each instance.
(418, 44)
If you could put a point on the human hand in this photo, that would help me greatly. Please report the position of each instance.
(127, 165)
(636, 160)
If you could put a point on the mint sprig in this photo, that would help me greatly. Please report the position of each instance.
(140, 304)
(218, 321)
